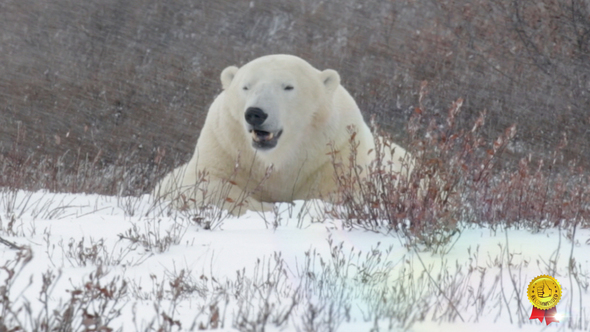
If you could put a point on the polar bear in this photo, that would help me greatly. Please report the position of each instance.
(271, 136)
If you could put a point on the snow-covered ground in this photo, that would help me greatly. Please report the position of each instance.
(123, 263)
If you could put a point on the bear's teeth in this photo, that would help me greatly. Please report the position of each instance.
(258, 136)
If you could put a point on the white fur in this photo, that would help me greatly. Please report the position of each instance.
(313, 115)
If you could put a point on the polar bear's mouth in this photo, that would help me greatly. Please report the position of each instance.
(265, 139)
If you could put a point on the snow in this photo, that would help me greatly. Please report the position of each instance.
(355, 273)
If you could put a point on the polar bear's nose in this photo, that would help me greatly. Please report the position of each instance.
(255, 116)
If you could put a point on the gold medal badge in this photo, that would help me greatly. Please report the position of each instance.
(544, 292)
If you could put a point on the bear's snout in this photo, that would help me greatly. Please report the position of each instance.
(255, 116)
(263, 137)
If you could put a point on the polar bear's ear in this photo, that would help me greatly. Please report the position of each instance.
(330, 78)
(227, 75)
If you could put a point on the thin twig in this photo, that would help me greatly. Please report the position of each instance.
(436, 285)
(10, 244)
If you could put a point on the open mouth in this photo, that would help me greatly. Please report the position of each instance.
(265, 139)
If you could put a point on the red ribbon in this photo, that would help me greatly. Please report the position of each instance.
(549, 315)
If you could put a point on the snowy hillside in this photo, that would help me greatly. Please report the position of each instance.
(100, 263)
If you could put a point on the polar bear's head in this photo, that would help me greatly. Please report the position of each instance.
(279, 100)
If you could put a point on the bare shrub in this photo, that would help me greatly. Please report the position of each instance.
(458, 178)
(97, 253)
(152, 235)
(92, 306)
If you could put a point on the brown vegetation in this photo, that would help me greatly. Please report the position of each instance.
(129, 83)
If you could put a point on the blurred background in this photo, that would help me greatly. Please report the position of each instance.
(130, 82)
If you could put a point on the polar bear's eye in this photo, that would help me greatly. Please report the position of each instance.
(245, 88)
(288, 88)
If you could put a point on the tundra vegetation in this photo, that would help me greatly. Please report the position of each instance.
(105, 97)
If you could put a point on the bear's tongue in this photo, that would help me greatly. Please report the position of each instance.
(259, 135)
